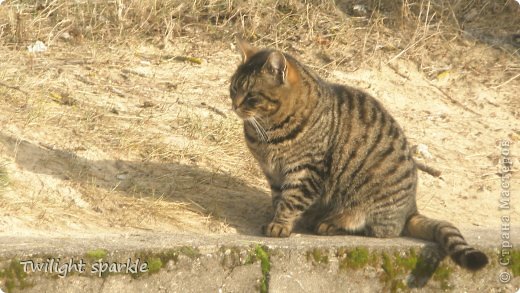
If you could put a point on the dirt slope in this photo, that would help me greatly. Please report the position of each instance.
(99, 137)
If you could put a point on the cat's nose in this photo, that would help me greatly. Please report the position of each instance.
(237, 101)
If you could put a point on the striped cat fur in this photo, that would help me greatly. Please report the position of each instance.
(334, 157)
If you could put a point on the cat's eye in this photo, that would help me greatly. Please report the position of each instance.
(252, 102)
(251, 99)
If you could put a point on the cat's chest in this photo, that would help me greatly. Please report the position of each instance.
(272, 159)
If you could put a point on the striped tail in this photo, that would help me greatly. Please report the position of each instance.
(449, 238)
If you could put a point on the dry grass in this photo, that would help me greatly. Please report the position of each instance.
(372, 31)
(4, 178)
(129, 132)
(117, 111)
(402, 27)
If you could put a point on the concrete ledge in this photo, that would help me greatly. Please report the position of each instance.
(238, 263)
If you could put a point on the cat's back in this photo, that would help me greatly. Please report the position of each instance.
(368, 146)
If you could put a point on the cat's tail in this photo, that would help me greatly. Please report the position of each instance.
(449, 239)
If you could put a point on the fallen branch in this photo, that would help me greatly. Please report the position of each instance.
(214, 109)
(13, 88)
(427, 169)
(506, 82)
(453, 100)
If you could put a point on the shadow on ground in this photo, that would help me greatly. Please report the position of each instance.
(223, 197)
(244, 207)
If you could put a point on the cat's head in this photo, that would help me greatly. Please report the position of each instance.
(263, 84)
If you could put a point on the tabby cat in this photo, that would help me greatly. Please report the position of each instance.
(333, 156)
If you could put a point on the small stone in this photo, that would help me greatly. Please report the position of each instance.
(422, 150)
(37, 47)
(122, 176)
(359, 10)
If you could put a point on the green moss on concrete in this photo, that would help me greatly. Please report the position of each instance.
(260, 253)
(265, 263)
(154, 265)
(393, 282)
(164, 256)
(318, 256)
(14, 276)
(394, 266)
(157, 260)
(174, 254)
(251, 258)
(422, 268)
(408, 261)
(397, 266)
(511, 258)
(231, 257)
(189, 251)
(356, 258)
(96, 254)
(442, 275)
(515, 262)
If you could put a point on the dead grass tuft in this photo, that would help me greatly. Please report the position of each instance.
(406, 28)
(4, 178)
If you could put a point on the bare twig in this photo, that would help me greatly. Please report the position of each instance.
(13, 88)
(427, 169)
(506, 82)
(117, 92)
(412, 46)
(214, 109)
(128, 71)
(453, 100)
(84, 80)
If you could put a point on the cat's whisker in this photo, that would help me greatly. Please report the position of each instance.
(254, 123)
(251, 121)
(259, 129)
(262, 129)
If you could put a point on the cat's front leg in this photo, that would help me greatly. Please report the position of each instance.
(298, 192)
(276, 194)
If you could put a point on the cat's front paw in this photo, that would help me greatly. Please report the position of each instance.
(327, 228)
(274, 229)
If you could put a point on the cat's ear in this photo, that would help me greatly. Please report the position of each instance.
(276, 65)
(246, 50)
